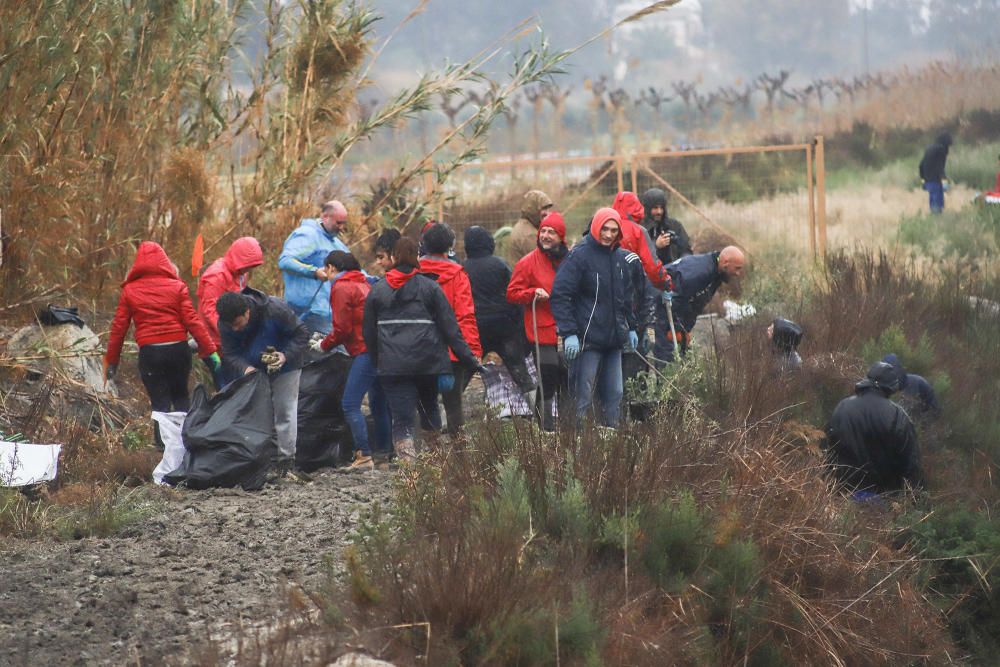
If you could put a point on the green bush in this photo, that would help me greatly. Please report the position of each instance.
(569, 517)
(961, 560)
(917, 358)
(971, 232)
(675, 542)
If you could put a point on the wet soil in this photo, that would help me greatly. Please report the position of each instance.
(206, 563)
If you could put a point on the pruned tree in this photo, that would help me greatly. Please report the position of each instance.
(686, 91)
(557, 97)
(536, 97)
(772, 86)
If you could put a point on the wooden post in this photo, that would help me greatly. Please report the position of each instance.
(619, 174)
(821, 196)
(633, 166)
(812, 201)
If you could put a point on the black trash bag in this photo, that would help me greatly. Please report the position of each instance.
(324, 439)
(229, 438)
(55, 315)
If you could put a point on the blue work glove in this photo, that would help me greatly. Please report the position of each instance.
(571, 347)
(446, 382)
(633, 342)
(668, 297)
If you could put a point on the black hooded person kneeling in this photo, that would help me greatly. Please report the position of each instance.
(871, 443)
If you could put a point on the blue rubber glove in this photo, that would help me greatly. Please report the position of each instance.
(668, 297)
(633, 341)
(571, 347)
(446, 382)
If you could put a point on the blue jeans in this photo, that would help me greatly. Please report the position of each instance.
(362, 380)
(407, 395)
(935, 193)
(603, 369)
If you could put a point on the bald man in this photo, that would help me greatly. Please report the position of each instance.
(307, 287)
(696, 279)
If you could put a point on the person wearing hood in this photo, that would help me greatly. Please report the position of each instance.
(229, 273)
(307, 289)
(916, 390)
(497, 320)
(696, 278)
(262, 334)
(347, 301)
(438, 241)
(932, 171)
(634, 239)
(408, 328)
(668, 235)
(531, 286)
(534, 207)
(870, 443)
(785, 337)
(157, 300)
(590, 301)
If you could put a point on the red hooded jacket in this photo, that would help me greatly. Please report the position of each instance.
(221, 277)
(454, 282)
(534, 270)
(347, 301)
(634, 238)
(158, 301)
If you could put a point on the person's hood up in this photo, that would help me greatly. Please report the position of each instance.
(601, 217)
(787, 335)
(881, 376)
(150, 260)
(397, 278)
(652, 198)
(943, 139)
(441, 270)
(894, 361)
(478, 242)
(628, 207)
(244, 253)
(532, 205)
(556, 222)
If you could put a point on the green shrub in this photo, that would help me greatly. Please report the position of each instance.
(569, 516)
(675, 542)
(961, 552)
(917, 358)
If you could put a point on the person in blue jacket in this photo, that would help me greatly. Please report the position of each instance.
(591, 303)
(696, 278)
(307, 286)
(918, 394)
(250, 322)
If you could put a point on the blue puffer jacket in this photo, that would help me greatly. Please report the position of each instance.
(305, 251)
(272, 324)
(696, 279)
(592, 293)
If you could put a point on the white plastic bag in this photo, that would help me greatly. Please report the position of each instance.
(170, 424)
(22, 464)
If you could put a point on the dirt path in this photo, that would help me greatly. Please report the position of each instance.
(206, 561)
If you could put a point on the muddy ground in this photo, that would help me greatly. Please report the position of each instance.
(202, 565)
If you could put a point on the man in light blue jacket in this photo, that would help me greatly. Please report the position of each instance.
(307, 286)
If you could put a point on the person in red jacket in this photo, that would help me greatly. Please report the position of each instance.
(531, 284)
(347, 302)
(157, 300)
(634, 238)
(438, 241)
(229, 273)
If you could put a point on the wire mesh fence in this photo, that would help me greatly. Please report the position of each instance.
(759, 197)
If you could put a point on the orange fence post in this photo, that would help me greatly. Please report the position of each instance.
(633, 164)
(618, 173)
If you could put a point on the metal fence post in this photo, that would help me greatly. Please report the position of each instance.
(821, 195)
